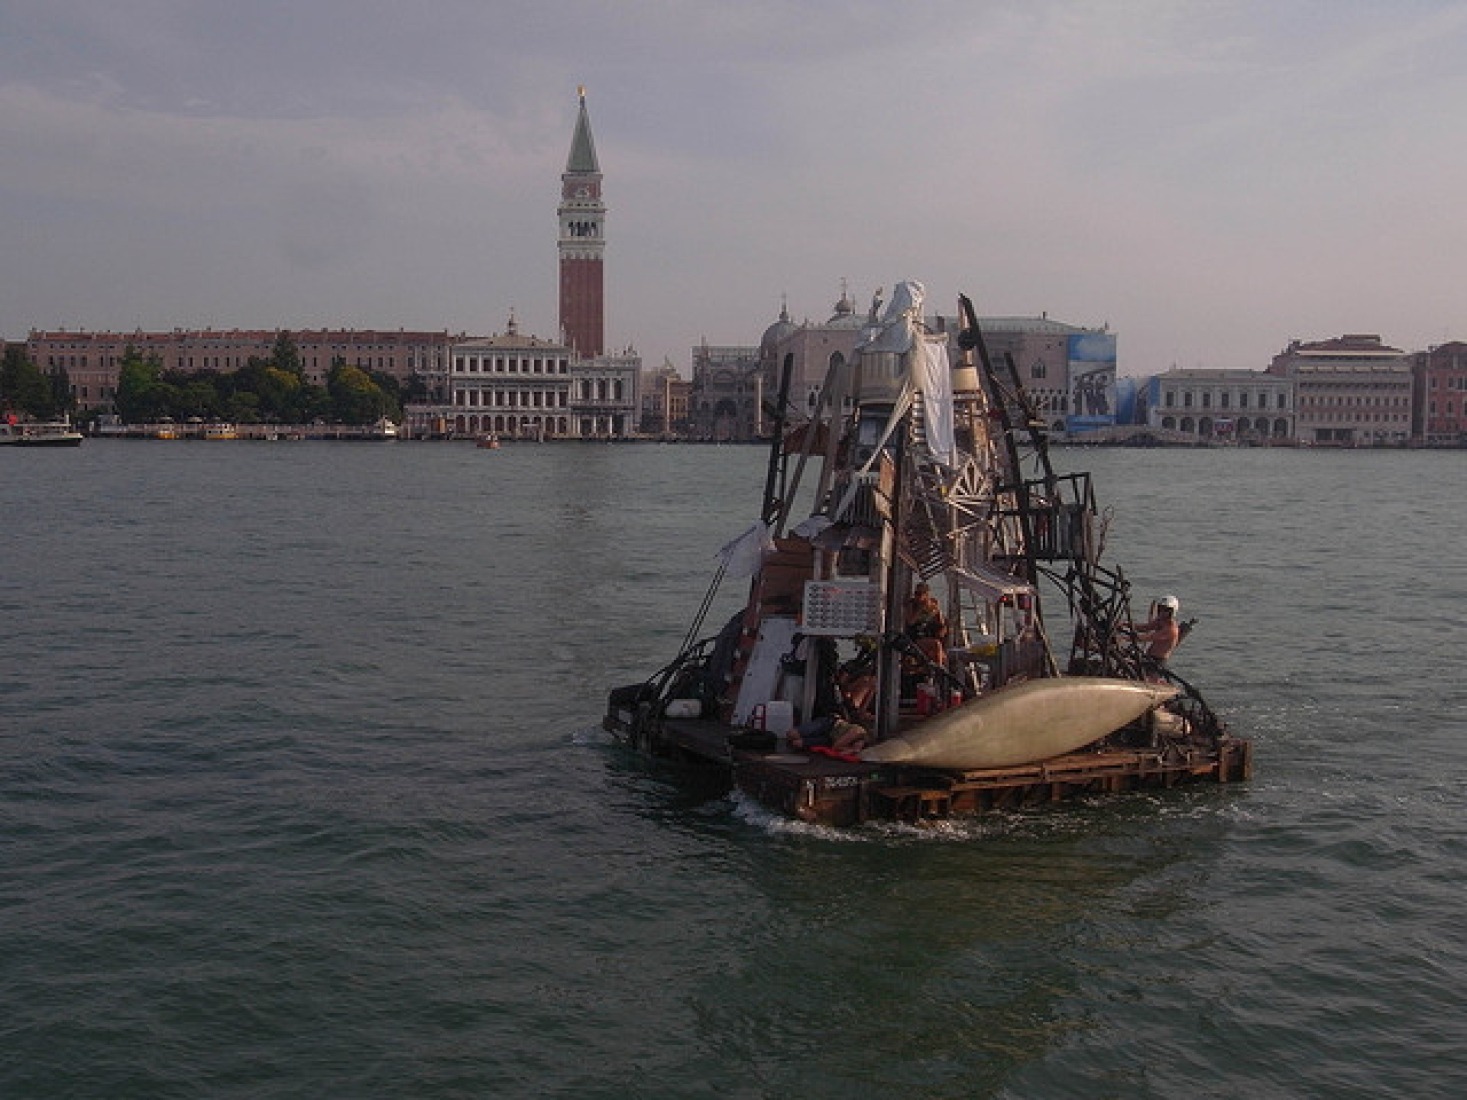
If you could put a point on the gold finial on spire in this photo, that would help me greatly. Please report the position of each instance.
(581, 90)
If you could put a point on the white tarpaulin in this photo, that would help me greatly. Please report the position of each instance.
(934, 380)
(743, 556)
(898, 325)
(928, 370)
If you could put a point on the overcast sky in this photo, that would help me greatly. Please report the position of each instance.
(1209, 178)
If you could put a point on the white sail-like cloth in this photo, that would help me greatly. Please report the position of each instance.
(933, 378)
(929, 373)
(743, 556)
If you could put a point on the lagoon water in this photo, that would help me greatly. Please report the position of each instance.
(302, 794)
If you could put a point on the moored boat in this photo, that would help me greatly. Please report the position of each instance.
(894, 658)
(384, 430)
(33, 433)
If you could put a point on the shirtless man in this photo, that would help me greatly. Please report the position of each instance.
(1163, 632)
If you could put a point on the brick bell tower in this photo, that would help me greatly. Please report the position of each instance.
(582, 244)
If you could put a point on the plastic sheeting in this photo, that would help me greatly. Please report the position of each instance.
(929, 373)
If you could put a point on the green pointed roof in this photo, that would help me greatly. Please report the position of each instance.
(582, 158)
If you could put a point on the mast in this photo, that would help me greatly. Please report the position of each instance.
(775, 506)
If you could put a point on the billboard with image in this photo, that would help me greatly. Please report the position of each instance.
(1092, 374)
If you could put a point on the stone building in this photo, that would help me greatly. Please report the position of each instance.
(726, 397)
(1439, 412)
(1244, 405)
(665, 402)
(606, 396)
(1069, 370)
(1351, 390)
(507, 384)
(811, 349)
(92, 360)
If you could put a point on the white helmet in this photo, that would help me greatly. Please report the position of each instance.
(1171, 603)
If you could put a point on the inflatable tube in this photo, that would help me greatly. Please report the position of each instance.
(1020, 724)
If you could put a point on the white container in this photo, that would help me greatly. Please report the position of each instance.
(777, 715)
(684, 708)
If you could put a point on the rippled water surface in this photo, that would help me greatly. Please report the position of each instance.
(302, 794)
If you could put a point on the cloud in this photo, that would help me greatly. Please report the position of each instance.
(1209, 179)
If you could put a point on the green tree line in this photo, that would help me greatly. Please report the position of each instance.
(27, 392)
(270, 390)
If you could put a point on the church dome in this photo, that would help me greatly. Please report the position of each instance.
(776, 333)
(845, 315)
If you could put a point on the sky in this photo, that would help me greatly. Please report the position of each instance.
(1210, 179)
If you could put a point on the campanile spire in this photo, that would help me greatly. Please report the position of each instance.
(582, 243)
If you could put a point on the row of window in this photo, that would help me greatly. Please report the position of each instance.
(1307, 401)
(512, 399)
(586, 389)
(554, 425)
(509, 364)
(1260, 401)
(1357, 417)
(1204, 425)
(220, 362)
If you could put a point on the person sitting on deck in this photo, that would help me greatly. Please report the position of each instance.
(855, 681)
(844, 727)
(830, 732)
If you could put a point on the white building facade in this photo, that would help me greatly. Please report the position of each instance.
(1247, 405)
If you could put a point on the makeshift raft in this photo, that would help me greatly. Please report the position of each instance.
(904, 616)
(824, 791)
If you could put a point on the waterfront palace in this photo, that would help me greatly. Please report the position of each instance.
(1352, 390)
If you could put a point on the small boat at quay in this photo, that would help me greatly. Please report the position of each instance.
(383, 431)
(936, 634)
(48, 433)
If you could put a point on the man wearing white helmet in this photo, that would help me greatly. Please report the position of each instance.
(1163, 632)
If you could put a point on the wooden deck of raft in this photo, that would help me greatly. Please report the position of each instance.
(822, 790)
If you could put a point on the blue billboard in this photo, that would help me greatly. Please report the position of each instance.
(1092, 373)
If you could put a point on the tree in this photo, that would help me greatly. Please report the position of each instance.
(279, 393)
(355, 398)
(392, 393)
(140, 392)
(286, 356)
(25, 390)
(198, 397)
(243, 407)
